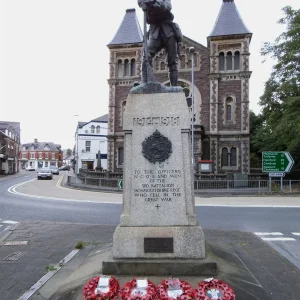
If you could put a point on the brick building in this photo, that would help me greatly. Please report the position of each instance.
(221, 90)
(9, 147)
(41, 155)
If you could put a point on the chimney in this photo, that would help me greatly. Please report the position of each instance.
(35, 141)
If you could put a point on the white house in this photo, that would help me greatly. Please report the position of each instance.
(90, 138)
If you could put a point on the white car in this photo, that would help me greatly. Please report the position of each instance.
(30, 168)
(44, 174)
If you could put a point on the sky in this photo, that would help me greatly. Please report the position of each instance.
(54, 58)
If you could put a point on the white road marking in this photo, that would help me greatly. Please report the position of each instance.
(296, 233)
(9, 222)
(282, 239)
(59, 181)
(45, 278)
(268, 233)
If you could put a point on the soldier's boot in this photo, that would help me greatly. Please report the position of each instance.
(173, 76)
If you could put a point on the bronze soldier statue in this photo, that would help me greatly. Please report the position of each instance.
(163, 33)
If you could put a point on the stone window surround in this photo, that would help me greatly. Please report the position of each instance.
(98, 128)
(233, 109)
(121, 62)
(233, 51)
(229, 168)
(92, 129)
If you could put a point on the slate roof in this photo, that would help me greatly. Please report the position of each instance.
(13, 126)
(40, 146)
(130, 31)
(102, 119)
(229, 21)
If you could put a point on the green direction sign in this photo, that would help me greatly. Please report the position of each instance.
(277, 162)
(120, 184)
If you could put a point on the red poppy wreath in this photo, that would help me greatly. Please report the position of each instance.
(175, 289)
(138, 289)
(214, 289)
(101, 288)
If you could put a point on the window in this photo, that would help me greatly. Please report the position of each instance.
(88, 146)
(126, 67)
(229, 61)
(224, 159)
(222, 61)
(229, 105)
(46, 155)
(40, 155)
(120, 68)
(233, 157)
(132, 67)
(53, 155)
(237, 59)
(24, 156)
(32, 155)
(46, 164)
(120, 156)
(162, 65)
(228, 112)
(92, 129)
(229, 159)
(98, 129)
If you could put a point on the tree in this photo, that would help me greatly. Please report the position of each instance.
(69, 152)
(280, 127)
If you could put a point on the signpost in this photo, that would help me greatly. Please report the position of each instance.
(120, 184)
(276, 163)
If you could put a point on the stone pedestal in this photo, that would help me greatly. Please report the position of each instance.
(158, 219)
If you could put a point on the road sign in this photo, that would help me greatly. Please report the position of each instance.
(277, 162)
(276, 174)
(120, 184)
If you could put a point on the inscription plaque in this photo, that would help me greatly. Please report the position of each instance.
(158, 245)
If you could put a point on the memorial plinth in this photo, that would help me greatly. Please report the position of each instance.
(158, 219)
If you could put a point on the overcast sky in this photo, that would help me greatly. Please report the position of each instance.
(54, 59)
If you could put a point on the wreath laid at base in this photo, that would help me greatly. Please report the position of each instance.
(214, 289)
(170, 289)
(101, 288)
(136, 289)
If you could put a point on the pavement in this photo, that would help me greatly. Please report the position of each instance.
(249, 265)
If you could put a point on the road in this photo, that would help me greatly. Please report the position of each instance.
(269, 222)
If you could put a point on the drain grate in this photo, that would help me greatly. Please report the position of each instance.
(14, 256)
(15, 243)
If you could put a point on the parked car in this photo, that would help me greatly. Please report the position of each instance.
(54, 170)
(44, 174)
(30, 168)
(65, 168)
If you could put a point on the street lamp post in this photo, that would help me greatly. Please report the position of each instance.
(192, 51)
(77, 154)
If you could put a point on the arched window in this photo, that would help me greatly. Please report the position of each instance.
(120, 156)
(162, 65)
(98, 129)
(224, 158)
(222, 61)
(233, 157)
(189, 64)
(120, 68)
(132, 67)
(237, 60)
(123, 111)
(126, 67)
(228, 107)
(92, 129)
(229, 61)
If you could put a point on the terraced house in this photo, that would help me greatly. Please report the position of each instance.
(41, 155)
(9, 147)
(221, 88)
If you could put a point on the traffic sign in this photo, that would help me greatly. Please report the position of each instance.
(277, 162)
(120, 184)
(276, 174)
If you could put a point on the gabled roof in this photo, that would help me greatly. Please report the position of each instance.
(229, 21)
(102, 119)
(129, 31)
(40, 146)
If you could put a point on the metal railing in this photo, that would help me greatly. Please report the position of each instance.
(201, 186)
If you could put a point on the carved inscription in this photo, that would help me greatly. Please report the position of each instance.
(157, 186)
(152, 121)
